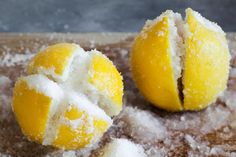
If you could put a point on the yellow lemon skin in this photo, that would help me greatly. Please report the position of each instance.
(104, 76)
(152, 69)
(206, 64)
(55, 57)
(31, 109)
(205, 57)
(69, 137)
(43, 105)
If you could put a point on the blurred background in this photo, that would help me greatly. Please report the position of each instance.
(103, 15)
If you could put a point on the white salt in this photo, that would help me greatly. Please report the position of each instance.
(123, 148)
(219, 151)
(198, 147)
(144, 126)
(4, 82)
(232, 72)
(156, 152)
(5, 99)
(191, 142)
(214, 118)
(69, 154)
(229, 98)
(11, 59)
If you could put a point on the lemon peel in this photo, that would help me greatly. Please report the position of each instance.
(65, 100)
(180, 64)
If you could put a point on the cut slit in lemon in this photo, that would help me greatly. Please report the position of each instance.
(169, 50)
(73, 108)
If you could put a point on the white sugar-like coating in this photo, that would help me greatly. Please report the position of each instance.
(177, 51)
(103, 101)
(123, 148)
(191, 142)
(78, 81)
(44, 85)
(205, 22)
(232, 72)
(71, 89)
(5, 99)
(78, 52)
(198, 148)
(4, 81)
(219, 151)
(78, 73)
(51, 89)
(51, 71)
(178, 34)
(69, 154)
(178, 125)
(203, 148)
(75, 94)
(213, 123)
(229, 97)
(176, 43)
(9, 59)
(150, 23)
(83, 104)
(57, 109)
(144, 126)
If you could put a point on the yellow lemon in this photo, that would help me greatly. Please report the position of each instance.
(32, 102)
(103, 75)
(180, 65)
(66, 101)
(48, 61)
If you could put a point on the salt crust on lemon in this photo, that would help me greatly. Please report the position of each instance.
(72, 88)
(179, 34)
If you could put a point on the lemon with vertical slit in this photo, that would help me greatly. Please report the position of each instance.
(180, 64)
(66, 101)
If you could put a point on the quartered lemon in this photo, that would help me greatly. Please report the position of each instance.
(68, 98)
(180, 64)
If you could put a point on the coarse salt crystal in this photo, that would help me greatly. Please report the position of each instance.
(143, 125)
(123, 148)
(12, 59)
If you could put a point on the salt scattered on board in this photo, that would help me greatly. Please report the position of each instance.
(10, 59)
(5, 98)
(177, 129)
(122, 148)
(143, 125)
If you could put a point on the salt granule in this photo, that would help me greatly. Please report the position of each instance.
(214, 119)
(69, 154)
(232, 72)
(10, 59)
(144, 126)
(123, 148)
(178, 129)
(5, 84)
(229, 98)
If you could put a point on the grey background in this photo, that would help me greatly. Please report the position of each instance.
(103, 15)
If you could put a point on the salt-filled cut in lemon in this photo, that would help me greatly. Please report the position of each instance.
(180, 64)
(68, 98)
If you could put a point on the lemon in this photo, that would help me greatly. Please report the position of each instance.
(180, 65)
(48, 62)
(103, 75)
(66, 101)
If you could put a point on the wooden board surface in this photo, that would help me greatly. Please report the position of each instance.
(211, 132)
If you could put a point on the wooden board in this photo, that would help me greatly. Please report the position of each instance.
(211, 132)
